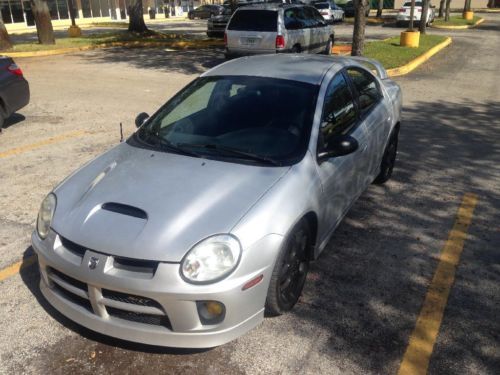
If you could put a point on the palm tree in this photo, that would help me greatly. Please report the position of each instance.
(43, 22)
(136, 17)
(423, 16)
(358, 36)
(5, 42)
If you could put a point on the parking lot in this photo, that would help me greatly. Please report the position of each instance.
(364, 294)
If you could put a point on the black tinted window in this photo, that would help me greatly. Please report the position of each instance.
(367, 88)
(339, 113)
(254, 20)
(294, 18)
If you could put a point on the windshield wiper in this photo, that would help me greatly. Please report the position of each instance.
(168, 146)
(234, 151)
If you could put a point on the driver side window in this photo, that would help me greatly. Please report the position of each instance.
(339, 113)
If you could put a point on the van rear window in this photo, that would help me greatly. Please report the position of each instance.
(254, 20)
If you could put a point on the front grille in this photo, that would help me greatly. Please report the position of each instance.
(73, 247)
(76, 283)
(77, 300)
(154, 320)
(130, 298)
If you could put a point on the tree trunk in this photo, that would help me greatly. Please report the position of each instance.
(43, 22)
(412, 14)
(441, 8)
(447, 11)
(380, 8)
(5, 42)
(491, 3)
(358, 36)
(136, 18)
(467, 6)
(423, 17)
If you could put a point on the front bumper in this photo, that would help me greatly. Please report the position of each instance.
(149, 305)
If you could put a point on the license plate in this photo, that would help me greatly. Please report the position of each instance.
(249, 41)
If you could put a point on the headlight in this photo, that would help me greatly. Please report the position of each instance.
(211, 259)
(45, 215)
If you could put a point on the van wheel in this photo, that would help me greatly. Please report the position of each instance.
(290, 271)
(296, 49)
(328, 48)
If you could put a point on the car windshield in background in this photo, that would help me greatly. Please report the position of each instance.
(254, 20)
(249, 119)
(321, 5)
(417, 4)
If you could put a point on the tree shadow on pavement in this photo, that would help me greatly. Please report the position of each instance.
(364, 292)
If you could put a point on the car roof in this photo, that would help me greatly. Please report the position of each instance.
(295, 67)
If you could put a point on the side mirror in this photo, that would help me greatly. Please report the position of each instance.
(141, 119)
(339, 146)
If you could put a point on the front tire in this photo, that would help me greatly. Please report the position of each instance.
(388, 160)
(290, 271)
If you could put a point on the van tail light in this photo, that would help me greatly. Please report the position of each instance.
(14, 69)
(225, 40)
(280, 42)
(402, 10)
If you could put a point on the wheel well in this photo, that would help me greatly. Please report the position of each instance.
(312, 220)
(297, 45)
(396, 127)
(3, 109)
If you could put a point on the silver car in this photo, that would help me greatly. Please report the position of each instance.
(209, 215)
(277, 28)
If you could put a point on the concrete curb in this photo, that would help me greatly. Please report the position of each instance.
(460, 27)
(182, 44)
(407, 68)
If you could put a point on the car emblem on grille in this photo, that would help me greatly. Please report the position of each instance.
(93, 262)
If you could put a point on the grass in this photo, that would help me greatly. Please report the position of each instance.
(392, 55)
(99, 39)
(455, 21)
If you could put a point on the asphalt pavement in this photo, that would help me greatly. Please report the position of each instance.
(363, 295)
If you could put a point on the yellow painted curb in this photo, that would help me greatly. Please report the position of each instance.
(182, 44)
(459, 27)
(407, 68)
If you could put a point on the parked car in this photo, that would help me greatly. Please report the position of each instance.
(349, 10)
(211, 212)
(216, 26)
(330, 11)
(403, 16)
(205, 11)
(14, 89)
(277, 28)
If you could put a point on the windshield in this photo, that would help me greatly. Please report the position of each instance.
(249, 119)
(321, 5)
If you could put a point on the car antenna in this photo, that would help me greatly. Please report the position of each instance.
(121, 132)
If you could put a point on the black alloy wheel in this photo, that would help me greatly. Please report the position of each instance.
(290, 271)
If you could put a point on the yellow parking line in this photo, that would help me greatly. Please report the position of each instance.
(419, 350)
(16, 267)
(45, 142)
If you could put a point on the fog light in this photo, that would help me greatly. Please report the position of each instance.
(211, 312)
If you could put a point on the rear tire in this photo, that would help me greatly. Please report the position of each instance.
(296, 49)
(290, 271)
(388, 160)
(2, 121)
(328, 48)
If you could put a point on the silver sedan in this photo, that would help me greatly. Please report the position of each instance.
(209, 215)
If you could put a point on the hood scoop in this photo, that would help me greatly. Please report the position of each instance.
(125, 209)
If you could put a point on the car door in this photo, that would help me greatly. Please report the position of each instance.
(342, 177)
(374, 114)
(297, 32)
(313, 25)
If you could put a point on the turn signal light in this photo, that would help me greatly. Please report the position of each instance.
(280, 42)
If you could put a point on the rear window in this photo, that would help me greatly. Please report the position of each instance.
(417, 4)
(321, 5)
(254, 20)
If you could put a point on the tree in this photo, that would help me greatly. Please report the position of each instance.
(447, 11)
(441, 8)
(467, 6)
(358, 36)
(423, 17)
(412, 13)
(136, 18)
(380, 8)
(491, 3)
(43, 22)
(5, 42)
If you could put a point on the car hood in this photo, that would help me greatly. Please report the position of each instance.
(144, 204)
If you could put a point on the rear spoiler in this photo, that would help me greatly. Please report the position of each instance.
(379, 69)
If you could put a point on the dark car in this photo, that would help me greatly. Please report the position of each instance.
(205, 11)
(217, 25)
(14, 89)
(349, 9)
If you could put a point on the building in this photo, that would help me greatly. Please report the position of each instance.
(18, 12)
